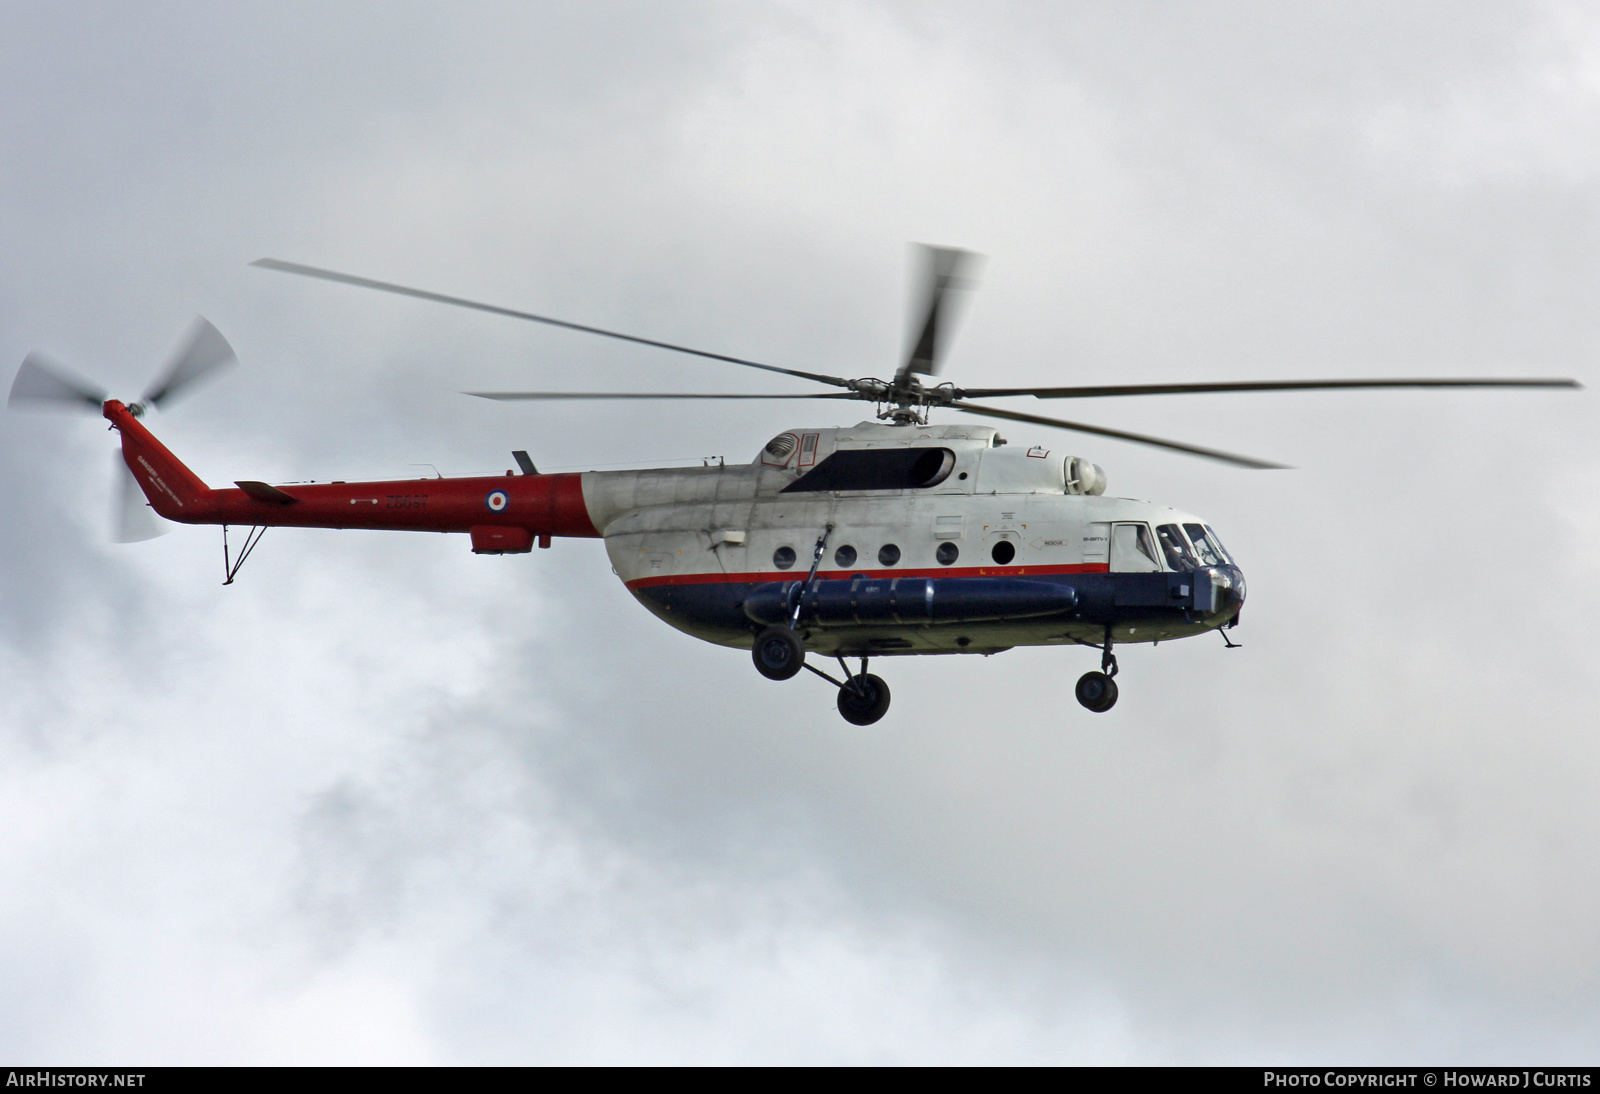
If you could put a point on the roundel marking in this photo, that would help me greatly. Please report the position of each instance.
(497, 501)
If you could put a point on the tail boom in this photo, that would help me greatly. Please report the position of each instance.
(502, 514)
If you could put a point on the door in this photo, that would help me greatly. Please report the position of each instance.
(1133, 550)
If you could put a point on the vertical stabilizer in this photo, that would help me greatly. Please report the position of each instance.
(174, 491)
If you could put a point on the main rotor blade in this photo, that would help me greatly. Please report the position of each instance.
(1139, 438)
(1264, 385)
(494, 309)
(41, 380)
(204, 351)
(942, 273)
(510, 396)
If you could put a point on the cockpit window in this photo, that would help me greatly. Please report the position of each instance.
(878, 469)
(1175, 547)
(1208, 546)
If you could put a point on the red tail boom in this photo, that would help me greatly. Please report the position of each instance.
(503, 515)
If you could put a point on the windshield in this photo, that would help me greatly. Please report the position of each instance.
(1175, 547)
(1208, 546)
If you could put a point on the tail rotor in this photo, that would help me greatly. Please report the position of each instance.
(132, 519)
(44, 384)
(203, 352)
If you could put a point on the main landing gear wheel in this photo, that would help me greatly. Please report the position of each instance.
(778, 653)
(864, 699)
(1097, 691)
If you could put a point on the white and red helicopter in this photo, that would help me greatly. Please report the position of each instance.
(891, 537)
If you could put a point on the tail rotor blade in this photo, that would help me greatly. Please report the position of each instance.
(41, 381)
(132, 518)
(204, 351)
(944, 272)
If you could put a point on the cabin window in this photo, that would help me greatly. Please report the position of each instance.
(1175, 547)
(1208, 546)
(844, 557)
(783, 557)
(1133, 550)
(878, 469)
(947, 553)
(1003, 552)
(888, 555)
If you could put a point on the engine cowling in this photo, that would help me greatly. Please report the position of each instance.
(1084, 477)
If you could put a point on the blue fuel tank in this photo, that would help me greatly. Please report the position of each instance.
(917, 600)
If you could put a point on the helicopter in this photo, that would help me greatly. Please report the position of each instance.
(892, 537)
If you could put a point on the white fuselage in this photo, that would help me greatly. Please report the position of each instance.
(689, 542)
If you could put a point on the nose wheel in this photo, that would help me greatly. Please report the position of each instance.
(1097, 691)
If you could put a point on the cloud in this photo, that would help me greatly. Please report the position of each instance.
(383, 800)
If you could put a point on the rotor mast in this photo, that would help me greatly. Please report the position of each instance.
(942, 281)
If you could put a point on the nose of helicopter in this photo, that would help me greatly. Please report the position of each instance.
(1230, 586)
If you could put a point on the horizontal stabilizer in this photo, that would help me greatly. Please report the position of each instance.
(262, 492)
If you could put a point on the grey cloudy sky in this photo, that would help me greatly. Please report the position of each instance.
(385, 801)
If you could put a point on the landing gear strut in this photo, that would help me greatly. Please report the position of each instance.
(1097, 691)
(780, 654)
(863, 696)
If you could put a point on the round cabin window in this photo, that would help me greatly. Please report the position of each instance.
(844, 557)
(947, 553)
(1003, 552)
(888, 555)
(783, 557)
